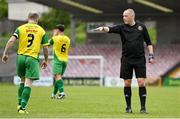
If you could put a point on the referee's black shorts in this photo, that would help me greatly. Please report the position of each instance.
(127, 66)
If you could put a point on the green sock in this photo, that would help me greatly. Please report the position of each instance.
(20, 90)
(55, 90)
(60, 85)
(25, 96)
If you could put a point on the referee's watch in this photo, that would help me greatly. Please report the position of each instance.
(151, 56)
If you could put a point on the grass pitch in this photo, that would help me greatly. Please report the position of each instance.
(91, 102)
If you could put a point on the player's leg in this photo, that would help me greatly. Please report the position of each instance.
(58, 70)
(32, 73)
(126, 73)
(60, 85)
(20, 90)
(140, 71)
(56, 67)
(20, 67)
(55, 88)
(25, 96)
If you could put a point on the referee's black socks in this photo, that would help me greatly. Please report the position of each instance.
(127, 94)
(142, 95)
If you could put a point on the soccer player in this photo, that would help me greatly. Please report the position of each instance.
(30, 37)
(133, 34)
(61, 44)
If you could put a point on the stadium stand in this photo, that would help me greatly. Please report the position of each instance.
(166, 57)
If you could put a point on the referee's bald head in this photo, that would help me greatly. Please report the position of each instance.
(33, 16)
(131, 12)
(129, 16)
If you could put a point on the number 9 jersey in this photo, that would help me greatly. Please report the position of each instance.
(30, 37)
(61, 44)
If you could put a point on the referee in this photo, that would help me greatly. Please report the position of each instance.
(133, 34)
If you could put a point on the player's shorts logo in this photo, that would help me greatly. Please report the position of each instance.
(140, 28)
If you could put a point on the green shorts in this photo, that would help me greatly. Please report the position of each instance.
(27, 67)
(59, 67)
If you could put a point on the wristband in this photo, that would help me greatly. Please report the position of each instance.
(151, 56)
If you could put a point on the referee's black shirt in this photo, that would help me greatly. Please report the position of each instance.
(133, 38)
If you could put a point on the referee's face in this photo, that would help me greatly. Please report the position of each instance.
(127, 17)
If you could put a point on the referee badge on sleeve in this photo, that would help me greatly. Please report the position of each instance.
(140, 28)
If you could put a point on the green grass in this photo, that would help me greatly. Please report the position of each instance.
(85, 102)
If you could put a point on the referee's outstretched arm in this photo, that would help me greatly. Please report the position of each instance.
(102, 29)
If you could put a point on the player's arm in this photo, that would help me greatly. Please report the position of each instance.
(51, 42)
(9, 44)
(45, 44)
(149, 46)
(45, 52)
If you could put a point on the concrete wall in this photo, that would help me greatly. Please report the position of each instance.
(7, 26)
(19, 9)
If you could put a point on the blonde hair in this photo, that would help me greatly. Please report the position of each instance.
(33, 16)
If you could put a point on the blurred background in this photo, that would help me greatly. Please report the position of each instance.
(95, 57)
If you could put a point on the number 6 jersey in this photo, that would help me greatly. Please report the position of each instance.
(30, 36)
(61, 44)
